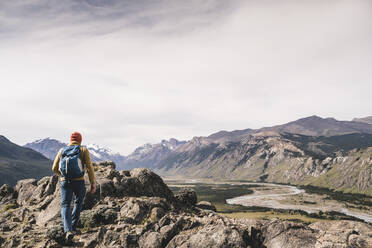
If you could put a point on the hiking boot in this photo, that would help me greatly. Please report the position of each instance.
(69, 237)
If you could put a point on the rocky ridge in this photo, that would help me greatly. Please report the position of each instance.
(136, 209)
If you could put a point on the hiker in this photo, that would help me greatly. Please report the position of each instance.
(70, 163)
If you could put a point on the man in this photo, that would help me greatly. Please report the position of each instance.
(70, 163)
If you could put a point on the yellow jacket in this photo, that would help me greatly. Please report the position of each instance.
(85, 159)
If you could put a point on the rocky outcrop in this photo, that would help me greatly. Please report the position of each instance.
(186, 197)
(136, 209)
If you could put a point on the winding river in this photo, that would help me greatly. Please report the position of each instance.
(272, 200)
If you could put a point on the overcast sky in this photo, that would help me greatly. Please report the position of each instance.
(125, 73)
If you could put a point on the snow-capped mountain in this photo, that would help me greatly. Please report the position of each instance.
(50, 147)
(147, 155)
(103, 154)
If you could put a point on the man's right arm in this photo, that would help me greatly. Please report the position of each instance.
(55, 167)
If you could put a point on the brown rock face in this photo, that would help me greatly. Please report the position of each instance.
(136, 209)
(186, 197)
(25, 189)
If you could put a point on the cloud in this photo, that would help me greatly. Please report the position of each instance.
(131, 72)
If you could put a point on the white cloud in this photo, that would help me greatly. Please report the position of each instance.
(132, 73)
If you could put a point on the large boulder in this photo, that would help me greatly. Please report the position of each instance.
(206, 205)
(135, 210)
(52, 211)
(25, 189)
(288, 234)
(151, 184)
(45, 188)
(150, 240)
(186, 197)
(106, 188)
(99, 215)
(137, 182)
(356, 234)
(218, 236)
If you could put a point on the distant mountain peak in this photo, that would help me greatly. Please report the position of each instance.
(98, 150)
(367, 120)
(313, 117)
(310, 118)
(4, 139)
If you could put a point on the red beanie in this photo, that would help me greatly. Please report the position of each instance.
(76, 136)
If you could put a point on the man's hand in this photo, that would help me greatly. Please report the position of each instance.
(93, 188)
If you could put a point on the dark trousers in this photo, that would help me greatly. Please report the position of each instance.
(68, 189)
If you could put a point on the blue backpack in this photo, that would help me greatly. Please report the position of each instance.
(70, 164)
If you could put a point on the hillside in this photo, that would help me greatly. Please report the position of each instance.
(317, 126)
(344, 161)
(17, 162)
(367, 120)
(311, 150)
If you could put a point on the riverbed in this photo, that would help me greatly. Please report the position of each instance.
(283, 199)
(268, 195)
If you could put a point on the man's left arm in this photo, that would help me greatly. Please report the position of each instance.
(55, 167)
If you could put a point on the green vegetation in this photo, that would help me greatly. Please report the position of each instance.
(292, 215)
(357, 199)
(288, 214)
(218, 193)
(10, 206)
(271, 215)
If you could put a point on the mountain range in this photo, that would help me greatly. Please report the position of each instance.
(319, 151)
(313, 150)
(144, 156)
(50, 147)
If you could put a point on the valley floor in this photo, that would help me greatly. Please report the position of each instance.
(267, 201)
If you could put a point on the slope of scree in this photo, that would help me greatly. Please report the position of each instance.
(136, 209)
